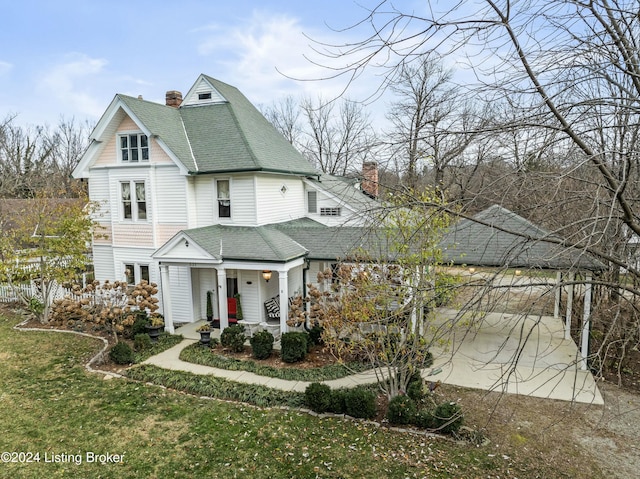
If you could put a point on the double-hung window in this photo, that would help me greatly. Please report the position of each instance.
(134, 147)
(224, 199)
(135, 273)
(134, 200)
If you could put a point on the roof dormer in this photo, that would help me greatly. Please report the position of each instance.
(203, 93)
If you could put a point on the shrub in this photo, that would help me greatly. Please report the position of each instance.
(293, 346)
(261, 344)
(425, 420)
(360, 403)
(141, 342)
(315, 334)
(415, 389)
(337, 399)
(233, 338)
(121, 353)
(140, 322)
(402, 410)
(318, 397)
(448, 417)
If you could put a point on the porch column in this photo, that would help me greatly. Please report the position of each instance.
(567, 323)
(283, 279)
(586, 322)
(166, 298)
(222, 298)
(556, 307)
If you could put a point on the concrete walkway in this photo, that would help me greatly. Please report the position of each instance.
(546, 365)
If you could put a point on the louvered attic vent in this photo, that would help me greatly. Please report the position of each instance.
(204, 96)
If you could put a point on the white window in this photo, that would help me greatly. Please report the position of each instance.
(224, 199)
(312, 201)
(134, 148)
(134, 200)
(134, 273)
(330, 211)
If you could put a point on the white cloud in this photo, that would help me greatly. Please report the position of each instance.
(265, 56)
(70, 84)
(5, 67)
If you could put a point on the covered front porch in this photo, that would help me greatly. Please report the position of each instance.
(229, 274)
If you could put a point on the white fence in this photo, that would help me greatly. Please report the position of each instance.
(9, 294)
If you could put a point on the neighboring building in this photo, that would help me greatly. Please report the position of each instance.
(203, 194)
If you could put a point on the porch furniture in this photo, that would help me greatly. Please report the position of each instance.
(250, 327)
(273, 328)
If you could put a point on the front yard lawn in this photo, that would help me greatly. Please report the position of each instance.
(54, 408)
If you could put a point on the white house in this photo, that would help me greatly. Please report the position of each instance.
(203, 194)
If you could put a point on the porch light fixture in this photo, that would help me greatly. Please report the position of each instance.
(266, 274)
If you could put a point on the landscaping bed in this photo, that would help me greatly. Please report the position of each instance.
(318, 364)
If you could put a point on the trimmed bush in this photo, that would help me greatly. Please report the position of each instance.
(402, 410)
(318, 397)
(415, 389)
(338, 401)
(424, 419)
(261, 344)
(448, 417)
(141, 342)
(139, 325)
(233, 338)
(315, 334)
(360, 403)
(293, 346)
(121, 353)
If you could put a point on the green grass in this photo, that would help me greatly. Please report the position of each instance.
(165, 341)
(197, 354)
(52, 405)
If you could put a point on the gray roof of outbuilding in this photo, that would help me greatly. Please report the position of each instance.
(221, 137)
(486, 240)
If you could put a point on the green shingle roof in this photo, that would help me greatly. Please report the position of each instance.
(220, 137)
(488, 242)
(246, 243)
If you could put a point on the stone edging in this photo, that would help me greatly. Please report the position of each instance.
(345, 417)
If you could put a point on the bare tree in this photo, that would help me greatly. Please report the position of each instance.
(571, 73)
(284, 115)
(432, 122)
(337, 142)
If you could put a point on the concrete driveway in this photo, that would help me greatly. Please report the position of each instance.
(513, 353)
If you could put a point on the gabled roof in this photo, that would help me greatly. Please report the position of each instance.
(223, 136)
(279, 242)
(245, 243)
(486, 240)
(344, 190)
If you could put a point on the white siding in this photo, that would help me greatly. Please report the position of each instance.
(203, 200)
(346, 217)
(103, 263)
(140, 256)
(181, 302)
(243, 203)
(170, 196)
(273, 206)
(204, 280)
(99, 194)
(250, 295)
(294, 280)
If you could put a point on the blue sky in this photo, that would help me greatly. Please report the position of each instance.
(70, 57)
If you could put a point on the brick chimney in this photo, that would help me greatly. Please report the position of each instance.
(370, 178)
(173, 98)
